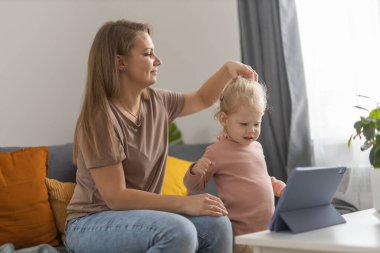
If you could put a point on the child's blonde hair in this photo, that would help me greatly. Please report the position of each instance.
(243, 92)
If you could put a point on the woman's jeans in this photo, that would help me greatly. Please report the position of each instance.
(141, 231)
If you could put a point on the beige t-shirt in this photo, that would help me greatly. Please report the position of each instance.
(143, 148)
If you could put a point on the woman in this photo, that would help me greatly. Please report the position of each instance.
(120, 148)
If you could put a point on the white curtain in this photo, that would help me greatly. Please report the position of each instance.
(340, 41)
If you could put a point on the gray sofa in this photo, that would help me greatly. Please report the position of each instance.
(60, 165)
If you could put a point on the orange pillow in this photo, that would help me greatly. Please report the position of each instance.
(25, 215)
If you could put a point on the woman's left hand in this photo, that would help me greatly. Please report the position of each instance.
(236, 69)
(210, 91)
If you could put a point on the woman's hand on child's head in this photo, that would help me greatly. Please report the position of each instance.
(204, 204)
(201, 166)
(236, 69)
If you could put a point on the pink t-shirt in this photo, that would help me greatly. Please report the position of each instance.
(243, 184)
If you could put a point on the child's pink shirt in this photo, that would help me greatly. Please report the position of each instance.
(243, 184)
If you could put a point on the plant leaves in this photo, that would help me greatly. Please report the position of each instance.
(369, 132)
(374, 155)
(369, 128)
(365, 120)
(375, 114)
(358, 125)
(349, 141)
(361, 108)
(365, 146)
(175, 135)
(363, 96)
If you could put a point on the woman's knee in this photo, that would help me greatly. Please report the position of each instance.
(214, 233)
(183, 234)
(221, 224)
(222, 241)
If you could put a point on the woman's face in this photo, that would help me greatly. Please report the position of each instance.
(142, 62)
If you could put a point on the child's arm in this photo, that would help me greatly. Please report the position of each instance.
(198, 174)
(201, 166)
(278, 186)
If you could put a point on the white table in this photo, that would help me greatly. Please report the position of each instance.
(361, 233)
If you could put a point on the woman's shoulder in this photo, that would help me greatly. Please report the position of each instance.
(160, 95)
(158, 91)
(171, 100)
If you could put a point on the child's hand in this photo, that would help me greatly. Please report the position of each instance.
(201, 167)
(278, 186)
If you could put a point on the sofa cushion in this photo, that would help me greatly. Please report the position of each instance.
(60, 164)
(59, 197)
(25, 215)
(173, 180)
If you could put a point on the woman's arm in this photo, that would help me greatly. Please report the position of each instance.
(111, 186)
(210, 91)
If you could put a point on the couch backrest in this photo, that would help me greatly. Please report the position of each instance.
(189, 152)
(60, 164)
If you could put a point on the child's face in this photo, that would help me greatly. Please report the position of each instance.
(243, 126)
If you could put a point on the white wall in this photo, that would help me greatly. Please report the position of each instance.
(44, 47)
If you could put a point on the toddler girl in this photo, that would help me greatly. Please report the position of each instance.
(236, 161)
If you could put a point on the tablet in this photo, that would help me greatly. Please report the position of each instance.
(306, 201)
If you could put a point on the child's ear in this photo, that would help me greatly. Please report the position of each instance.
(223, 118)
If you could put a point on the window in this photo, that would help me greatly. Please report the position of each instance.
(340, 42)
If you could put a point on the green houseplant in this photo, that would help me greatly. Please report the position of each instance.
(175, 135)
(368, 128)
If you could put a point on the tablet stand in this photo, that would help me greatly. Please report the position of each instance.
(310, 218)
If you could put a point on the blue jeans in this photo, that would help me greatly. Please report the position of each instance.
(141, 231)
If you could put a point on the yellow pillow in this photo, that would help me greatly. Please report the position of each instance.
(25, 215)
(59, 197)
(173, 179)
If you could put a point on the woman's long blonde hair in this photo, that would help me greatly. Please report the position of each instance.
(102, 85)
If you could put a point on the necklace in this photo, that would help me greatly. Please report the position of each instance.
(132, 114)
(135, 116)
